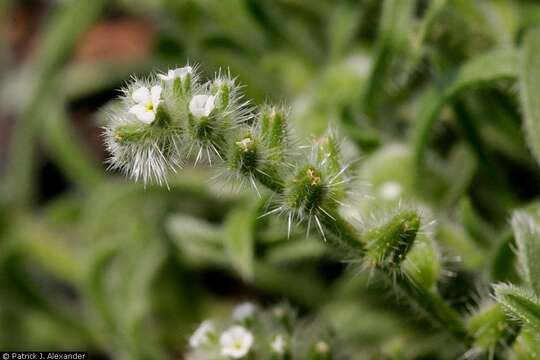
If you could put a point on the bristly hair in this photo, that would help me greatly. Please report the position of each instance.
(141, 151)
(316, 190)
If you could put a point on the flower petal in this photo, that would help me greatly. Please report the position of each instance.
(197, 105)
(143, 114)
(147, 117)
(156, 94)
(141, 95)
(209, 105)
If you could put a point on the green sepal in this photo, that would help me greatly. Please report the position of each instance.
(387, 245)
(131, 133)
(422, 263)
(489, 327)
(244, 156)
(181, 88)
(306, 190)
(163, 119)
(274, 130)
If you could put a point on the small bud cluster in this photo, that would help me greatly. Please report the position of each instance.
(254, 333)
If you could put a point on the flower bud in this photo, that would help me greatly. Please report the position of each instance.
(387, 245)
(488, 327)
(306, 191)
(180, 80)
(273, 124)
(244, 156)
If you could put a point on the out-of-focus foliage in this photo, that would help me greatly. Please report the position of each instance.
(437, 103)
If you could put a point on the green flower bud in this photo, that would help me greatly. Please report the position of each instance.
(422, 264)
(306, 191)
(387, 245)
(488, 327)
(273, 124)
(244, 156)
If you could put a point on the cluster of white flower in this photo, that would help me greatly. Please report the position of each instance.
(235, 342)
(162, 120)
(253, 333)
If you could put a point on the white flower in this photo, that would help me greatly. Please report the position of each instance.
(202, 105)
(236, 342)
(322, 347)
(147, 102)
(201, 335)
(178, 73)
(279, 345)
(244, 311)
(390, 190)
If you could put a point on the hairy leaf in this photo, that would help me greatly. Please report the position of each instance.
(480, 71)
(529, 78)
(519, 304)
(527, 237)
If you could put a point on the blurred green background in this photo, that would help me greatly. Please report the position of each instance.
(424, 92)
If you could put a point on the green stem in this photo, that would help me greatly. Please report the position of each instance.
(431, 304)
(344, 235)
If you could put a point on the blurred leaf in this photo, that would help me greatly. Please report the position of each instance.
(345, 21)
(199, 242)
(530, 89)
(55, 45)
(239, 239)
(527, 237)
(480, 71)
(296, 250)
(392, 42)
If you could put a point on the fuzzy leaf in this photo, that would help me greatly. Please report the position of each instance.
(392, 41)
(198, 241)
(239, 239)
(530, 89)
(527, 237)
(482, 70)
(520, 304)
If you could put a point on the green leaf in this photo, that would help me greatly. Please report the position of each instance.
(527, 237)
(198, 241)
(529, 80)
(519, 304)
(239, 239)
(480, 71)
(392, 40)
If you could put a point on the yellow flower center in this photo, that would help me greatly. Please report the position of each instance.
(150, 107)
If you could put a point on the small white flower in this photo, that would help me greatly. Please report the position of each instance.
(322, 347)
(201, 335)
(244, 311)
(279, 345)
(202, 105)
(146, 103)
(236, 342)
(390, 190)
(178, 73)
